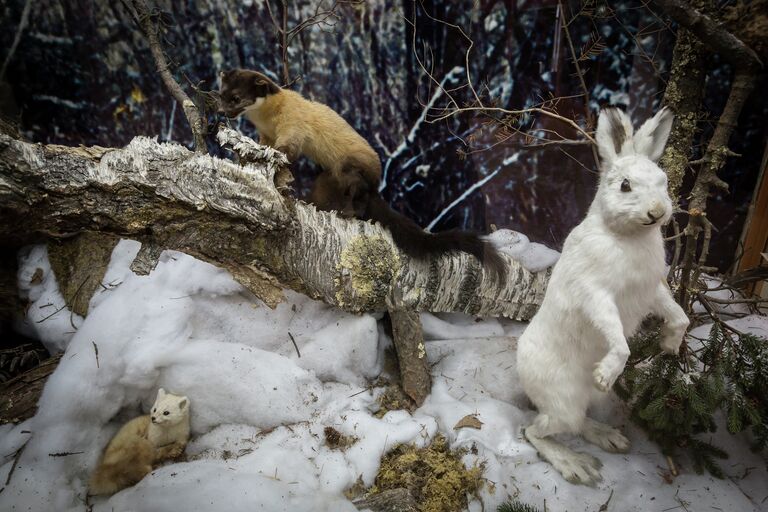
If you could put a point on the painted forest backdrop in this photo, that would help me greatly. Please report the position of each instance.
(400, 73)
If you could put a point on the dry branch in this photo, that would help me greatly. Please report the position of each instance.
(234, 217)
(746, 64)
(411, 354)
(150, 24)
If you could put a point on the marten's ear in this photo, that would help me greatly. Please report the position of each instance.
(265, 86)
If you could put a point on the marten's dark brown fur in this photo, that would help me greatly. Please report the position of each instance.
(351, 168)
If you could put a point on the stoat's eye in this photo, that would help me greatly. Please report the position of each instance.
(625, 186)
(166, 413)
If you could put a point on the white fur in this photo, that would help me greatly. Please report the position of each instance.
(611, 274)
(173, 427)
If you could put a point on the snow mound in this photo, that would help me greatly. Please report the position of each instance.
(533, 256)
(264, 384)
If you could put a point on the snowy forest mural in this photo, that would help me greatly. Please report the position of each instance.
(399, 72)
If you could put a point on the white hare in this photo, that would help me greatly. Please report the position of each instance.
(610, 275)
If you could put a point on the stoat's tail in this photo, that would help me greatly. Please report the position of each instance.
(416, 242)
(124, 469)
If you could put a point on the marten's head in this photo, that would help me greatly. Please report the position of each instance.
(242, 89)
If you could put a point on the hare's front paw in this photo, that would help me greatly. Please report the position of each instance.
(605, 374)
(670, 343)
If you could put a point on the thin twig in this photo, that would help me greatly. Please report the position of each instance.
(16, 461)
(148, 22)
(580, 73)
(96, 351)
(17, 38)
(294, 344)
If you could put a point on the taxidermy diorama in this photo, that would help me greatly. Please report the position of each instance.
(421, 256)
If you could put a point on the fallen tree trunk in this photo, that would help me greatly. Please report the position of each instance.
(233, 216)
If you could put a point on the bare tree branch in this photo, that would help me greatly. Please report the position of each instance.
(19, 30)
(149, 22)
(746, 64)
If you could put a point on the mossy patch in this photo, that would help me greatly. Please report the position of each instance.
(336, 440)
(435, 475)
(393, 399)
(367, 266)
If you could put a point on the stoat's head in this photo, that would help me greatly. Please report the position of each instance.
(169, 409)
(243, 89)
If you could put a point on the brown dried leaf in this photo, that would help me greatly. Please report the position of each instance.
(469, 421)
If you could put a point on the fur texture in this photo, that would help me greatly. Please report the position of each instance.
(611, 274)
(297, 126)
(358, 200)
(351, 168)
(141, 443)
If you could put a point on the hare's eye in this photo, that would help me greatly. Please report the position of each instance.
(625, 187)
(166, 413)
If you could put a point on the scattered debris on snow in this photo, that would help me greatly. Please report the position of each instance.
(275, 431)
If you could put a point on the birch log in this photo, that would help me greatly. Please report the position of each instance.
(233, 216)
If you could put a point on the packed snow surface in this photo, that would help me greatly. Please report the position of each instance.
(258, 409)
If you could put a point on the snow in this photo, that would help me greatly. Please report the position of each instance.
(533, 256)
(259, 410)
(48, 318)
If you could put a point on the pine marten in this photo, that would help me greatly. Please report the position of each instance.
(351, 173)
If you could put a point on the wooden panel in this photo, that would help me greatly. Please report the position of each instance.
(755, 236)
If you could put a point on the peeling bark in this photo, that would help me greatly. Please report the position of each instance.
(79, 265)
(234, 216)
(683, 95)
(411, 354)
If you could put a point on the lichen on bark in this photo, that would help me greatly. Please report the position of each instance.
(368, 265)
(683, 95)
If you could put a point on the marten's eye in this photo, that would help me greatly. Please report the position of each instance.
(625, 186)
(236, 98)
(166, 413)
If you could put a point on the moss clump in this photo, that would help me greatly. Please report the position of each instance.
(367, 266)
(336, 440)
(393, 399)
(434, 475)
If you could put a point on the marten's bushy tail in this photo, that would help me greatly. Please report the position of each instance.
(416, 242)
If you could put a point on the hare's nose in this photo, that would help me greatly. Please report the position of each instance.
(656, 212)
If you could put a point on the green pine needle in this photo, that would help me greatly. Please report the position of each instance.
(516, 506)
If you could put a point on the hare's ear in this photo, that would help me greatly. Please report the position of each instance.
(651, 138)
(614, 128)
